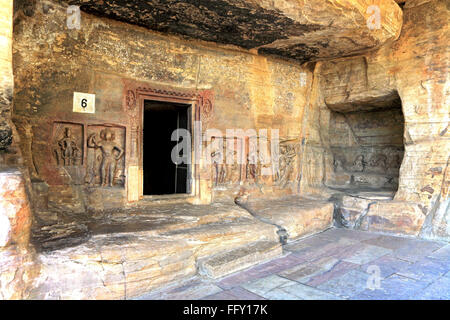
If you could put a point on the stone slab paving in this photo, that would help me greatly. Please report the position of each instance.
(334, 265)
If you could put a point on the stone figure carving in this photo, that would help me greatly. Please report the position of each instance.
(379, 160)
(109, 149)
(251, 169)
(218, 163)
(220, 170)
(359, 164)
(225, 170)
(266, 168)
(338, 165)
(67, 153)
(93, 169)
(252, 163)
(232, 169)
(286, 163)
(206, 109)
(131, 100)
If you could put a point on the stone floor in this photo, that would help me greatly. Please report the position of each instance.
(335, 264)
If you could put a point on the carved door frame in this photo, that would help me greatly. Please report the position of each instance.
(201, 101)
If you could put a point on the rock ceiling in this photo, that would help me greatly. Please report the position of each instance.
(304, 30)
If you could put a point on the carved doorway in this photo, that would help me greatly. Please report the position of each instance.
(199, 106)
(163, 126)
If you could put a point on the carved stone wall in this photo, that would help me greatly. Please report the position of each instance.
(250, 91)
(227, 89)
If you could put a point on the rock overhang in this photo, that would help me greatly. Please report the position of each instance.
(293, 29)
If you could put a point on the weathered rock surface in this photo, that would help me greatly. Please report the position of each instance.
(15, 212)
(302, 30)
(394, 217)
(298, 216)
(414, 68)
(240, 258)
(17, 259)
(59, 235)
(18, 269)
(377, 212)
(351, 209)
(6, 79)
(134, 251)
(129, 252)
(57, 230)
(112, 267)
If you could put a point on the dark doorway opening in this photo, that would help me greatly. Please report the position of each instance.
(161, 175)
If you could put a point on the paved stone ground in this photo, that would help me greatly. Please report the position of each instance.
(335, 264)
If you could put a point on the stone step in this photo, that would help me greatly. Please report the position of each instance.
(240, 258)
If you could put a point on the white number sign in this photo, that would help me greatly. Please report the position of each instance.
(83, 102)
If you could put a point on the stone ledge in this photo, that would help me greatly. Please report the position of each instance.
(397, 217)
(298, 216)
(127, 264)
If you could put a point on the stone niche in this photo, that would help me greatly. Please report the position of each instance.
(366, 142)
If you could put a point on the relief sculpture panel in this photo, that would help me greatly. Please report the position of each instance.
(67, 146)
(105, 156)
(370, 167)
(272, 164)
(225, 163)
(287, 169)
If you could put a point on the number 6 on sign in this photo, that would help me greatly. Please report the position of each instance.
(83, 102)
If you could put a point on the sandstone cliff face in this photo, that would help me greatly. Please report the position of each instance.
(416, 67)
(250, 91)
(17, 258)
(6, 80)
(315, 106)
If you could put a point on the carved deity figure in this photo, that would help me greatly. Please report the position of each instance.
(232, 169)
(131, 100)
(286, 161)
(67, 152)
(379, 160)
(220, 170)
(110, 157)
(338, 166)
(218, 161)
(359, 164)
(252, 166)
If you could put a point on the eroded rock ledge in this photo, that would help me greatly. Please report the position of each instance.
(301, 30)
